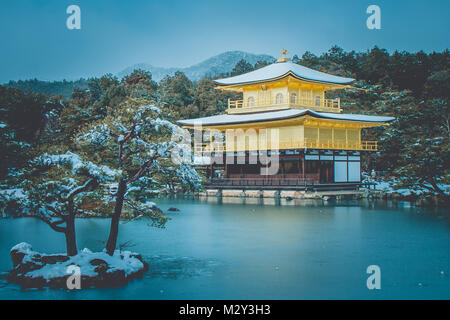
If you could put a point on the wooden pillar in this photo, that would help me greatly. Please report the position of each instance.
(320, 165)
(303, 167)
(347, 167)
(360, 167)
(226, 168)
(332, 170)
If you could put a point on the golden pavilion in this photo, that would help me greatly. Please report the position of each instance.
(283, 114)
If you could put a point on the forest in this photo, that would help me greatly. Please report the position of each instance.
(38, 118)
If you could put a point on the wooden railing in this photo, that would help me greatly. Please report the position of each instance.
(326, 105)
(262, 182)
(295, 144)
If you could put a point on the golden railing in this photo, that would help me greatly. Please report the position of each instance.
(341, 145)
(326, 105)
(294, 144)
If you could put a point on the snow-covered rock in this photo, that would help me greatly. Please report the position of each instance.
(32, 269)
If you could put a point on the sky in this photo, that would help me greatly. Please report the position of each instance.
(115, 34)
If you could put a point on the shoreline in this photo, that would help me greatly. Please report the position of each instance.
(422, 200)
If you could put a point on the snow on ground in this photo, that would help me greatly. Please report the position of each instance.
(389, 186)
(121, 260)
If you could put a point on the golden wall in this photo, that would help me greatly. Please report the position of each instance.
(292, 137)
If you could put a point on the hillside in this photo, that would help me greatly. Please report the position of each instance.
(220, 64)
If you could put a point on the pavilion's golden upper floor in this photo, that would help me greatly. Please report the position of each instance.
(280, 98)
(283, 85)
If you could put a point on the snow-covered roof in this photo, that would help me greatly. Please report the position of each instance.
(227, 119)
(280, 70)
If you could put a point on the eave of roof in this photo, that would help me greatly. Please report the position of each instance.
(231, 119)
(281, 70)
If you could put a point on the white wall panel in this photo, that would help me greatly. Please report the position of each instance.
(354, 174)
(340, 171)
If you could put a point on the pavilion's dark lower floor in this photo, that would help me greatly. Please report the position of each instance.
(250, 184)
(293, 169)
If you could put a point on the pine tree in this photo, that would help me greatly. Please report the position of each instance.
(132, 139)
(241, 67)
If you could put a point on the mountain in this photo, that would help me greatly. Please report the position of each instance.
(222, 63)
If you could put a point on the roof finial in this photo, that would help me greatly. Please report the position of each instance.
(284, 53)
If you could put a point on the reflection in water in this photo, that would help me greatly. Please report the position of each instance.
(179, 267)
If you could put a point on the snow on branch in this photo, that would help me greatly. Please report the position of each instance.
(98, 135)
(102, 173)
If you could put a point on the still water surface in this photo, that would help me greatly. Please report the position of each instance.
(247, 249)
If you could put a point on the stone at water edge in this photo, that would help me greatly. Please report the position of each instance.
(172, 209)
(18, 252)
(21, 265)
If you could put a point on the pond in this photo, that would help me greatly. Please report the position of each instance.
(259, 249)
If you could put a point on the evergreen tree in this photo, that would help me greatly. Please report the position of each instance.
(23, 118)
(241, 67)
(425, 144)
(176, 93)
(260, 64)
(132, 139)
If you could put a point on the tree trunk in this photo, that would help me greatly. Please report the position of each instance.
(435, 187)
(114, 229)
(71, 242)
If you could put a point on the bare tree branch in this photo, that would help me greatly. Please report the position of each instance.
(143, 212)
(81, 188)
(51, 224)
(141, 171)
(125, 156)
(122, 142)
(59, 214)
